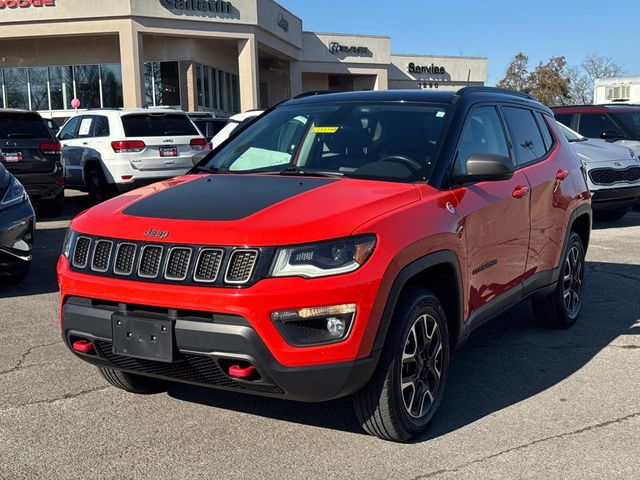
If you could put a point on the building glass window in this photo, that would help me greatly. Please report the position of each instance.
(162, 84)
(217, 90)
(39, 88)
(111, 78)
(61, 87)
(87, 80)
(16, 89)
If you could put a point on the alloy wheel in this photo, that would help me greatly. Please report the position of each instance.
(572, 281)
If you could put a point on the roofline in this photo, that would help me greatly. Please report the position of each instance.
(359, 35)
(437, 56)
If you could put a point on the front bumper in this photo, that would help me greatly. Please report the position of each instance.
(615, 198)
(207, 347)
(16, 238)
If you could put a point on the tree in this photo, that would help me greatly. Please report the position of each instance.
(580, 87)
(516, 75)
(549, 83)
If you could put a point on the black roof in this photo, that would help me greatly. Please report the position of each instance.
(417, 96)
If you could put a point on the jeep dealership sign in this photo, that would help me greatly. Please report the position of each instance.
(26, 3)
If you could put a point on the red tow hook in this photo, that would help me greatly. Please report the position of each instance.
(82, 346)
(236, 371)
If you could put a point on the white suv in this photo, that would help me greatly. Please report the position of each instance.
(109, 151)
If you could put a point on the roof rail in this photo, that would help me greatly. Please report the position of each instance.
(312, 93)
(467, 90)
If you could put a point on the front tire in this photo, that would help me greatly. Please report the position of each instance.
(407, 387)
(132, 383)
(560, 310)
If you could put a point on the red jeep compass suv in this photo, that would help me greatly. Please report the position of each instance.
(341, 244)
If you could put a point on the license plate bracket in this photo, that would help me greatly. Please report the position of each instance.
(168, 152)
(143, 338)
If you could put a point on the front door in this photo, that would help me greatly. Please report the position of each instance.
(496, 221)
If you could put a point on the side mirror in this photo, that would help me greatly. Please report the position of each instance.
(198, 157)
(611, 135)
(486, 167)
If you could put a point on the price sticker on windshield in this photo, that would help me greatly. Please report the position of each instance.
(325, 130)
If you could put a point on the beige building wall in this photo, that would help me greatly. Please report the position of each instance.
(458, 70)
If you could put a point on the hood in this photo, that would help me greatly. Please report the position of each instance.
(598, 151)
(252, 210)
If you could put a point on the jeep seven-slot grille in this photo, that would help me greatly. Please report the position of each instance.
(609, 176)
(165, 263)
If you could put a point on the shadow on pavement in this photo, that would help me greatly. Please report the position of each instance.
(509, 360)
(631, 219)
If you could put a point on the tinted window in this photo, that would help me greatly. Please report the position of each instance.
(525, 134)
(593, 124)
(100, 127)
(482, 133)
(69, 130)
(544, 128)
(631, 120)
(18, 126)
(564, 118)
(157, 125)
(362, 140)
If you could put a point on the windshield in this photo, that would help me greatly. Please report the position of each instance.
(396, 142)
(570, 134)
(631, 121)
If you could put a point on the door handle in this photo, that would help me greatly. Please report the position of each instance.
(562, 174)
(520, 191)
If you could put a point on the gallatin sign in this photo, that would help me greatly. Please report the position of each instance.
(212, 6)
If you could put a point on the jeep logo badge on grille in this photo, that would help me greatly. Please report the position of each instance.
(155, 233)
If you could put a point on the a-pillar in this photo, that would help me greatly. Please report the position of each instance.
(132, 64)
(248, 73)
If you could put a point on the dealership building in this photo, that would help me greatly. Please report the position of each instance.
(198, 55)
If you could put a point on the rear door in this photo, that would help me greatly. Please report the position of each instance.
(170, 140)
(26, 143)
(496, 220)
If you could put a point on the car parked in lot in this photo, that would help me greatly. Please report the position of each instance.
(110, 151)
(29, 150)
(347, 257)
(615, 123)
(613, 174)
(17, 220)
(233, 124)
(208, 125)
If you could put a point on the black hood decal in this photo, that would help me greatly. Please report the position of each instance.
(222, 197)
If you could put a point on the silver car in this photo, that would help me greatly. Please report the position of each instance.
(613, 174)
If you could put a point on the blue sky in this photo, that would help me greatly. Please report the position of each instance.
(492, 28)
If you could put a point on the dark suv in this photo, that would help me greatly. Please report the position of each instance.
(619, 123)
(341, 244)
(30, 151)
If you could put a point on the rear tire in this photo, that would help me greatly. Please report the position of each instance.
(53, 207)
(407, 387)
(561, 309)
(132, 383)
(97, 186)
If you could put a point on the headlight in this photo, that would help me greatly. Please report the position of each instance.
(68, 241)
(15, 194)
(323, 259)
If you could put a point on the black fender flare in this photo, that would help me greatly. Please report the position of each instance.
(443, 257)
(578, 212)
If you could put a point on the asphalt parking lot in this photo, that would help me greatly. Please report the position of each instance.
(522, 402)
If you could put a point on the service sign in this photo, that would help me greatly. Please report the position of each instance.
(14, 4)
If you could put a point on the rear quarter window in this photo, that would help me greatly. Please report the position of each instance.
(21, 126)
(157, 125)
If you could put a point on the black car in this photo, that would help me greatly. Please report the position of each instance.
(17, 220)
(30, 151)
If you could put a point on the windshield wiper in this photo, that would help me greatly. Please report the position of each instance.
(295, 171)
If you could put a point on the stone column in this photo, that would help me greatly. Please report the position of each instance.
(132, 64)
(295, 78)
(382, 80)
(249, 76)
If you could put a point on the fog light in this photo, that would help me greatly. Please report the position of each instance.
(336, 327)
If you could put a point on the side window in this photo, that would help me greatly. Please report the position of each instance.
(85, 130)
(482, 133)
(593, 124)
(69, 130)
(100, 127)
(525, 134)
(564, 118)
(544, 128)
